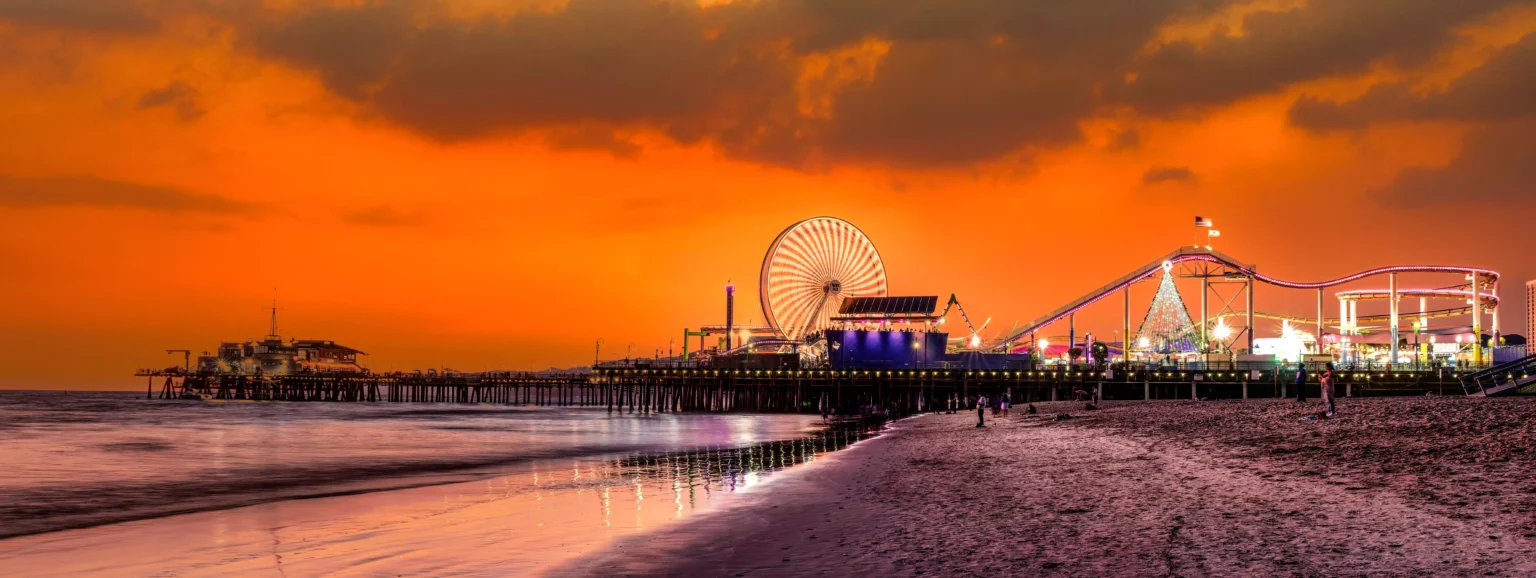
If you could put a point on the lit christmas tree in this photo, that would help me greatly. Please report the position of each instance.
(1167, 327)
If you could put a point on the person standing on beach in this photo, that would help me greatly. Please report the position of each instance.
(981, 411)
(1301, 382)
(1327, 380)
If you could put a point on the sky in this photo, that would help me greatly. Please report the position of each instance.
(498, 185)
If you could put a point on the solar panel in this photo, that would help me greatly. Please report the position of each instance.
(923, 305)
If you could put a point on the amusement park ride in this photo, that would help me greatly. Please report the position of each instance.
(823, 282)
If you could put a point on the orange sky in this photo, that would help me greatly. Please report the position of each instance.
(497, 185)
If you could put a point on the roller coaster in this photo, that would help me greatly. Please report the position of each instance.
(1479, 289)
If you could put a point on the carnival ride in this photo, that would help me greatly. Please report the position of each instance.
(1214, 267)
(816, 266)
(811, 269)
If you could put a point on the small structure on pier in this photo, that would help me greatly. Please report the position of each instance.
(273, 356)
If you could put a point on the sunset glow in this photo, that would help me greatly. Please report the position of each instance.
(480, 185)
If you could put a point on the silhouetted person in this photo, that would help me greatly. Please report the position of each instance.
(1301, 382)
(981, 411)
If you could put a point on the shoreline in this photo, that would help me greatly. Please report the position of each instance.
(128, 459)
(544, 512)
(1393, 486)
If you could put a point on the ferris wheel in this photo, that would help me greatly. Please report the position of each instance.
(811, 268)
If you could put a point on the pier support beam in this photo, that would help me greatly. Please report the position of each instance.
(1319, 320)
(1250, 327)
(1495, 313)
(1125, 326)
(1392, 313)
(1477, 319)
(1205, 340)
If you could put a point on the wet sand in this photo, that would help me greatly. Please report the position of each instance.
(519, 523)
(1392, 487)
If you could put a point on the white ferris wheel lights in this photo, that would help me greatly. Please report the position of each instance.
(811, 268)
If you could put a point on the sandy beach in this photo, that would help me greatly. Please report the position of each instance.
(1391, 487)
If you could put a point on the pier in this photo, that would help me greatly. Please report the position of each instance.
(795, 391)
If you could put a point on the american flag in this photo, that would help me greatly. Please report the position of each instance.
(1202, 222)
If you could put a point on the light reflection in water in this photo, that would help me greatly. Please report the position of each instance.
(710, 468)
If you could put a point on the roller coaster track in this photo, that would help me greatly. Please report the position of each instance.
(1383, 294)
(1334, 321)
(1190, 254)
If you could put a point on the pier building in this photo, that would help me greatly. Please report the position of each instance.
(273, 356)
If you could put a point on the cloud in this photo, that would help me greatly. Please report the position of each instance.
(1497, 165)
(1157, 175)
(787, 82)
(1276, 49)
(593, 138)
(114, 16)
(178, 96)
(383, 216)
(90, 191)
(799, 83)
(1125, 140)
(1502, 88)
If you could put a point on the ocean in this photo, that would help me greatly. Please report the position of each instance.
(84, 459)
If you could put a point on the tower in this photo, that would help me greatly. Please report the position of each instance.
(730, 311)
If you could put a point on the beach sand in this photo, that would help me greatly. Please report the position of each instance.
(1442, 486)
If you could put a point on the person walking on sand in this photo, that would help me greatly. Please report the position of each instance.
(1005, 404)
(1327, 380)
(981, 411)
(1301, 382)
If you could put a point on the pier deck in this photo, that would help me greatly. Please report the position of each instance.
(805, 391)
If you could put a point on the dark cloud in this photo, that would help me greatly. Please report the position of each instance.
(383, 216)
(1502, 88)
(349, 46)
(1125, 140)
(1497, 162)
(1157, 175)
(963, 80)
(177, 96)
(1321, 39)
(936, 82)
(115, 16)
(1497, 165)
(90, 191)
(593, 138)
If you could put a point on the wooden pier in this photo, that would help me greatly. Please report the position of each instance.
(803, 391)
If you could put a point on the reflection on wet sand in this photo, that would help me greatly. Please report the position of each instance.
(512, 524)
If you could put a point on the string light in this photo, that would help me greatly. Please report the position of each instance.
(1167, 328)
